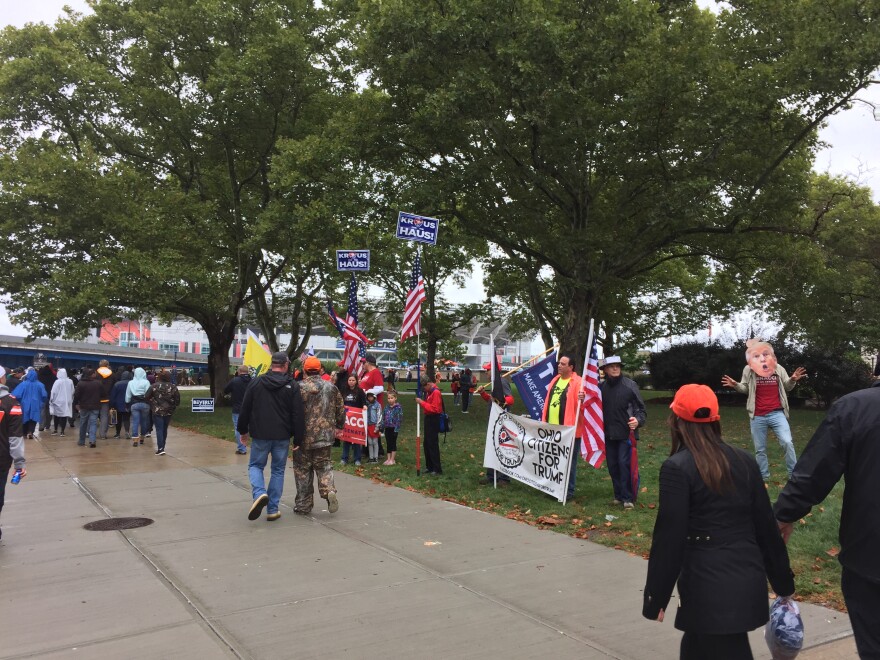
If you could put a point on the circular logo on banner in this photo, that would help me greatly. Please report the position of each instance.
(507, 437)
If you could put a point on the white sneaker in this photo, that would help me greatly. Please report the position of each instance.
(628, 505)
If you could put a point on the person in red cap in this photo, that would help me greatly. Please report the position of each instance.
(715, 535)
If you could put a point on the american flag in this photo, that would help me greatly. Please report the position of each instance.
(593, 446)
(412, 311)
(346, 331)
(352, 347)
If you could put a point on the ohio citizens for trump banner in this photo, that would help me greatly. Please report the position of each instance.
(536, 453)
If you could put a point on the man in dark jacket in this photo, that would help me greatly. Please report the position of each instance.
(46, 375)
(235, 389)
(272, 412)
(87, 400)
(846, 444)
(624, 412)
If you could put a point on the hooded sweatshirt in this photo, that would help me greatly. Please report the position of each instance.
(117, 394)
(10, 425)
(32, 395)
(272, 409)
(61, 399)
(107, 380)
(137, 387)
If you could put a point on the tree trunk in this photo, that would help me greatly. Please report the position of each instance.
(220, 337)
(576, 326)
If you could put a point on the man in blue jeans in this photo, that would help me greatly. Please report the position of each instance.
(271, 412)
(767, 385)
(235, 390)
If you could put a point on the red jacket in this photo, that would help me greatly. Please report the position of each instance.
(433, 403)
(572, 415)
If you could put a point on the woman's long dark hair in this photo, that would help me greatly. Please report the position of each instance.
(705, 444)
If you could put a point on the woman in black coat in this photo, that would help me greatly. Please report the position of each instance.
(715, 534)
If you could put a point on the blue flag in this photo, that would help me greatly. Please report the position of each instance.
(532, 384)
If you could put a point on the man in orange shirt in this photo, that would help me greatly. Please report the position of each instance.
(564, 405)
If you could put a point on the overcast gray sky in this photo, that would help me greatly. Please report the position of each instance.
(853, 136)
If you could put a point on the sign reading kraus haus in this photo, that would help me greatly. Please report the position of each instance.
(353, 260)
(411, 227)
(203, 405)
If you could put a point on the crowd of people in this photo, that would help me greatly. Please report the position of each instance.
(716, 537)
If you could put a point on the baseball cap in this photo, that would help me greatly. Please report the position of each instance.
(312, 364)
(613, 359)
(371, 359)
(695, 403)
(280, 358)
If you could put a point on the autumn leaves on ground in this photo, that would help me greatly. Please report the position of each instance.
(813, 547)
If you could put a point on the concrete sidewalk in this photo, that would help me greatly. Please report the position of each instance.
(392, 574)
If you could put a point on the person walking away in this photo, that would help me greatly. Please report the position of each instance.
(11, 437)
(564, 405)
(374, 417)
(353, 396)
(163, 397)
(324, 413)
(235, 390)
(624, 412)
(272, 412)
(87, 400)
(46, 375)
(117, 402)
(136, 398)
(393, 418)
(467, 382)
(767, 385)
(432, 405)
(107, 379)
(61, 402)
(31, 396)
(715, 535)
(455, 388)
(846, 444)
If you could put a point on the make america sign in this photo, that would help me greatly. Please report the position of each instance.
(533, 452)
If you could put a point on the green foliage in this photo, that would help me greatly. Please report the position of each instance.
(612, 152)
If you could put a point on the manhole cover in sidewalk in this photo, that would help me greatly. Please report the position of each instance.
(115, 524)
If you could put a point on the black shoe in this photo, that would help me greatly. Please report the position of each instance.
(92, 445)
(258, 506)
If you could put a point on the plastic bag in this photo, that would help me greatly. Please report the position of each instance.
(784, 632)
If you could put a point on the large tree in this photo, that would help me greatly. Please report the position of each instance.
(137, 147)
(598, 140)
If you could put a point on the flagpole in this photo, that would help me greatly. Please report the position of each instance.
(492, 383)
(419, 388)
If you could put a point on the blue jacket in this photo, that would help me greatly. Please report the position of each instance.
(31, 393)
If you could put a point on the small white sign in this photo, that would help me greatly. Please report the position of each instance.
(203, 405)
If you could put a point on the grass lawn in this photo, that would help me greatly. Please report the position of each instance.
(813, 546)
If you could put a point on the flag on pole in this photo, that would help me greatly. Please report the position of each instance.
(500, 388)
(346, 330)
(352, 346)
(593, 446)
(412, 311)
(256, 358)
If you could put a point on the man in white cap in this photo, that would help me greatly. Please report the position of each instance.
(624, 412)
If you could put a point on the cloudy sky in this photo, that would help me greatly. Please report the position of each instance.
(853, 137)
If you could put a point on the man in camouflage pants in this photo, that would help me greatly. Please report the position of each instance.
(324, 413)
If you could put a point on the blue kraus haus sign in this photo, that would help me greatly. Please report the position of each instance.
(411, 227)
(353, 260)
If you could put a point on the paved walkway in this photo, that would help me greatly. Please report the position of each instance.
(393, 574)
